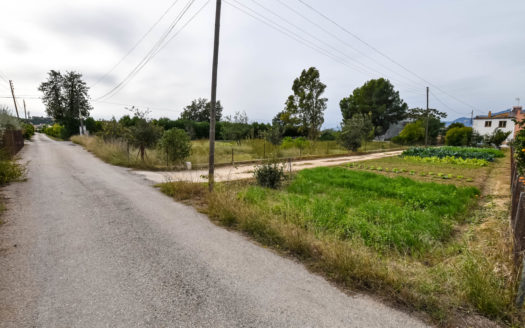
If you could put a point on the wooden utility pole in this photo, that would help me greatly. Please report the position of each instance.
(14, 99)
(25, 111)
(426, 128)
(211, 164)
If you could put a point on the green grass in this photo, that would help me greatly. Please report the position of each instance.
(414, 240)
(387, 214)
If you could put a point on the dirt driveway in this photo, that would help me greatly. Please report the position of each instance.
(228, 173)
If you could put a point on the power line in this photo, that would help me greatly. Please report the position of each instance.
(344, 42)
(137, 43)
(148, 56)
(383, 54)
(299, 38)
(159, 45)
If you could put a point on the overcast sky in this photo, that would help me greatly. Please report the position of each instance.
(472, 50)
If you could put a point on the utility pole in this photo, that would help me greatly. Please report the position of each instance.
(426, 128)
(211, 164)
(14, 99)
(81, 124)
(471, 117)
(25, 111)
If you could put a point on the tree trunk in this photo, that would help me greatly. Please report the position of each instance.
(142, 152)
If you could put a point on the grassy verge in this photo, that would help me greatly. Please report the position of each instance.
(118, 153)
(418, 242)
(10, 171)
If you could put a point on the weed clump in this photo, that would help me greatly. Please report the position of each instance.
(269, 175)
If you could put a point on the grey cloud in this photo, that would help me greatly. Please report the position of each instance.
(115, 26)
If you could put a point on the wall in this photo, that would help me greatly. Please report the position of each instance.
(479, 126)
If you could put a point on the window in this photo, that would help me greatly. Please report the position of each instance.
(502, 124)
(488, 124)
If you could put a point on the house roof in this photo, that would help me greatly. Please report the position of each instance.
(501, 115)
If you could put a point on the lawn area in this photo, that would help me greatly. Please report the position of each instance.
(118, 153)
(423, 242)
(385, 213)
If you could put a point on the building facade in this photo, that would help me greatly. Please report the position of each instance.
(486, 125)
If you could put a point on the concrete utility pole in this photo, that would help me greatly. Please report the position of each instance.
(211, 164)
(14, 99)
(25, 111)
(426, 128)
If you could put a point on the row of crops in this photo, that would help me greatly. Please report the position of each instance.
(485, 154)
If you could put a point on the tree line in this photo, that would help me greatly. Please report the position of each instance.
(368, 112)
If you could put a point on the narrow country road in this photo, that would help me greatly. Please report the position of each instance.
(86, 244)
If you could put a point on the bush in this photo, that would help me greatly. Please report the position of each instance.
(497, 138)
(458, 137)
(56, 131)
(175, 144)
(269, 175)
(28, 131)
(10, 171)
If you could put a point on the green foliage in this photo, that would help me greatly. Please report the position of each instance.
(176, 144)
(487, 154)
(329, 134)
(199, 111)
(497, 138)
(56, 131)
(10, 170)
(355, 130)
(305, 108)
(28, 131)
(269, 174)
(66, 99)
(412, 133)
(386, 213)
(448, 160)
(379, 98)
(458, 136)
(143, 134)
(7, 120)
(92, 125)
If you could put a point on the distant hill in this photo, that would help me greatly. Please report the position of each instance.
(464, 120)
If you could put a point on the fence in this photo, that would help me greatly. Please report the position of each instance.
(11, 141)
(517, 222)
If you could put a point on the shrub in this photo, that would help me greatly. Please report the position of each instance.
(269, 175)
(175, 144)
(10, 171)
(458, 136)
(56, 130)
(28, 131)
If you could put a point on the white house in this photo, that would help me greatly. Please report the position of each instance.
(485, 125)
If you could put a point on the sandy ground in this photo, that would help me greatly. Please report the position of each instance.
(228, 173)
(87, 244)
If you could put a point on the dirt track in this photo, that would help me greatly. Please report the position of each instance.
(228, 173)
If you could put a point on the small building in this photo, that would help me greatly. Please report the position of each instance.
(486, 125)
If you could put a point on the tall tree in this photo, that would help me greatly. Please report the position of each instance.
(379, 98)
(53, 97)
(306, 106)
(199, 111)
(66, 99)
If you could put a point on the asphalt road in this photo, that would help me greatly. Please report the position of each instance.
(86, 244)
